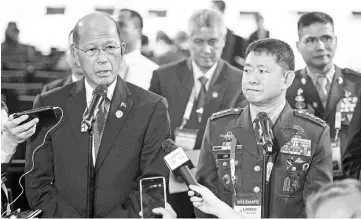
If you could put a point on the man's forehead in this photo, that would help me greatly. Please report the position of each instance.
(316, 29)
(99, 37)
(205, 32)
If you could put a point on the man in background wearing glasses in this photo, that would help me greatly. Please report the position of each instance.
(128, 133)
(322, 88)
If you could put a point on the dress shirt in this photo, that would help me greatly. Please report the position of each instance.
(197, 73)
(272, 112)
(140, 69)
(89, 94)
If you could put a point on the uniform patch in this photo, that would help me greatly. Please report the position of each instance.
(297, 146)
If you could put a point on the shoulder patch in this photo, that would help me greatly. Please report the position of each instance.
(350, 71)
(231, 111)
(309, 116)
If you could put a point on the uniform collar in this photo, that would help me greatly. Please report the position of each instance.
(329, 75)
(272, 112)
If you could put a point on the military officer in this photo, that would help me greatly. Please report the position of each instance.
(230, 162)
(322, 88)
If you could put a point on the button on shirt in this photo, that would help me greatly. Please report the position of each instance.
(89, 94)
(197, 73)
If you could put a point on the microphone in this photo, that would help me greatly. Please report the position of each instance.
(89, 116)
(178, 162)
(264, 131)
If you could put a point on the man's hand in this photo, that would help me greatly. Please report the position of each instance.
(166, 212)
(14, 133)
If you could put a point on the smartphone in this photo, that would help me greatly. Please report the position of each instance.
(46, 115)
(152, 195)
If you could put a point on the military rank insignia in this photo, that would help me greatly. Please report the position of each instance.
(297, 146)
(300, 100)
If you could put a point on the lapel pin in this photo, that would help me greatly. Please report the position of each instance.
(215, 94)
(340, 80)
(119, 114)
(123, 105)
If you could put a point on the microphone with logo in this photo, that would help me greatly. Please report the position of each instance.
(179, 163)
(89, 116)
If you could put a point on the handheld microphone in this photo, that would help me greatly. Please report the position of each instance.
(178, 162)
(264, 131)
(89, 116)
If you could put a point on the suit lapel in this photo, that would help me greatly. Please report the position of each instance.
(336, 92)
(244, 133)
(121, 102)
(184, 83)
(216, 89)
(76, 105)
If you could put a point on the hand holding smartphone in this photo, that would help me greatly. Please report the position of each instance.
(153, 195)
(46, 115)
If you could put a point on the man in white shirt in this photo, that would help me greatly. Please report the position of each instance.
(137, 68)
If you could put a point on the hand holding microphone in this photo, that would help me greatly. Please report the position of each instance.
(178, 162)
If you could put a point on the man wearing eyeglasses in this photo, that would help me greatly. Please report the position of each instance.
(322, 88)
(130, 127)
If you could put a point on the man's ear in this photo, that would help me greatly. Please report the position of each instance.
(75, 56)
(122, 47)
(288, 77)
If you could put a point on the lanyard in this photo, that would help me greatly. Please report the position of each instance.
(189, 107)
(232, 164)
(338, 119)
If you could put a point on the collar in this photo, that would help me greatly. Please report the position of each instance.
(73, 78)
(272, 112)
(132, 56)
(329, 75)
(89, 90)
(197, 73)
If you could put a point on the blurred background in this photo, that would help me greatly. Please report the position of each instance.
(36, 37)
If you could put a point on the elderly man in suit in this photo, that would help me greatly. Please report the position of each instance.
(197, 87)
(126, 149)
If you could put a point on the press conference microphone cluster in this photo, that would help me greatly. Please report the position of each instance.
(89, 116)
(178, 162)
(264, 131)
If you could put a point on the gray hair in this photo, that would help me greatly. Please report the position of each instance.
(208, 18)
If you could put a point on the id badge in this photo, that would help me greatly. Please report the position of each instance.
(336, 157)
(185, 138)
(248, 205)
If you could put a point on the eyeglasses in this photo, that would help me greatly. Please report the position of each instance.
(111, 50)
(312, 41)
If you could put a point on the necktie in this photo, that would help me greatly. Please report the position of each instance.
(322, 88)
(202, 96)
(99, 125)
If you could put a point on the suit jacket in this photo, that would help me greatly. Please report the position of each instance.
(175, 82)
(290, 185)
(234, 46)
(343, 80)
(57, 83)
(130, 150)
(352, 159)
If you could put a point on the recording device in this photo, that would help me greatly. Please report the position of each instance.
(89, 116)
(179, 163)
(46, 115)
(153, 195)
(264, 131)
